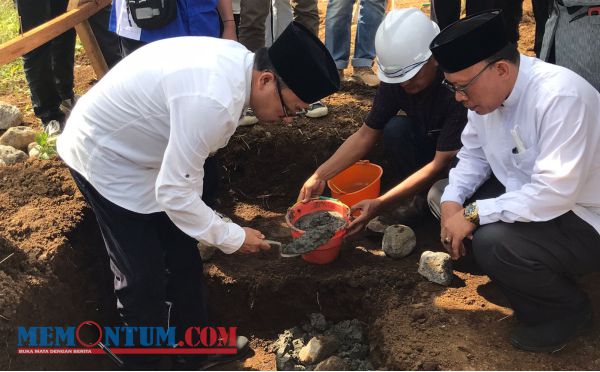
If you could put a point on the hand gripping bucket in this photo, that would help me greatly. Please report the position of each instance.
(329, 251)
(360, 181)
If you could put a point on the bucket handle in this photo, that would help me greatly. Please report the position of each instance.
(336, 188)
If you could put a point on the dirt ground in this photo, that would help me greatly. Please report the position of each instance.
(58, 272)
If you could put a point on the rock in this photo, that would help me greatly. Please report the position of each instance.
(376, 226)
(284, 362)
(317, 321)
(365, 365)
(2, 163)
(32, 145)
(283, 343)
(317, 349)
(333, 363)
(398, 241)
(358, 351)
(206, 251)
(436, 267)
(349, 331)
(298, 344)
(18, 137)
(10, 116)
(34, 151)
(9, 155)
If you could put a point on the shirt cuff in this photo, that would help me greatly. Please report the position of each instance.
(487, 211)
(450, 194)
(234, 241)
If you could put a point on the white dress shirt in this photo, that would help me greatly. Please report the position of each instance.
(142, 134)
(550, 164)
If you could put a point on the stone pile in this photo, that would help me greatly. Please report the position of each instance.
(321, 345)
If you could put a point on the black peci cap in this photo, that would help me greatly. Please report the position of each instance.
(304, 64)
(469, 40)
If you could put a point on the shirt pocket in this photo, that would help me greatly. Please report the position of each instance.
(525, 161)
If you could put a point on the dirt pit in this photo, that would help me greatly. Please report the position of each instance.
(58, 275)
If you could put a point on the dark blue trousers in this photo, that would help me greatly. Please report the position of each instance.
(158, 276)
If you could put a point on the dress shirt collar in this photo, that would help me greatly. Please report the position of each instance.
(520, 83)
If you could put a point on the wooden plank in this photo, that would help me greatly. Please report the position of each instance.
(90, 44)
(40, 35)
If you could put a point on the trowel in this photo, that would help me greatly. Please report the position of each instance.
(280, 245)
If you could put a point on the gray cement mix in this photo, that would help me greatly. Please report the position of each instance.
(318, 228)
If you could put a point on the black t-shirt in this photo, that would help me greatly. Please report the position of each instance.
(434, 109)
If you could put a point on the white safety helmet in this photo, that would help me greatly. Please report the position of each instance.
(402, 44)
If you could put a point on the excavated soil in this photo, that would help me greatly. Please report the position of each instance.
(57, 274)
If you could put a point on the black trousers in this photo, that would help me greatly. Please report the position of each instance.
(536, 264)
(407, 148)
(48, 68)
(158, 275)
(541, 12)
(445, 12)
(107, 40)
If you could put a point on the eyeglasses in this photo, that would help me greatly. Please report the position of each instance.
(286, 114)
(398, 73)
(462, 89)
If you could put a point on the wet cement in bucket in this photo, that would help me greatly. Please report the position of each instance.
(318, 228)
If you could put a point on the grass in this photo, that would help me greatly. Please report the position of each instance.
(12, 77)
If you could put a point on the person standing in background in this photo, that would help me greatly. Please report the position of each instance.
(338, 33)
(572, 38)
(49, 68)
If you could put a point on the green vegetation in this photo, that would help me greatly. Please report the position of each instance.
(46, 145)
(12, 78)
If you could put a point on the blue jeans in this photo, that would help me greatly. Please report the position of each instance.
(337, 31)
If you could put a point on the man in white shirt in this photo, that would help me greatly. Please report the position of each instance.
(136, 144)
(530, 169)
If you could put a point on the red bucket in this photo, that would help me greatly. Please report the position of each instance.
(329, 251)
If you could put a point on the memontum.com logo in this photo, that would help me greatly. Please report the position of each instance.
(90, 338)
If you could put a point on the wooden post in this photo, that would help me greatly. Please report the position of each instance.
(40, 35)
(90, 44)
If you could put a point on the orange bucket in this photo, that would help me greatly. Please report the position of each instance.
(329, 251)
(360, 181)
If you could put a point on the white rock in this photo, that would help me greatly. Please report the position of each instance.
(32, 145)
(436, 267)
(18, 137)
(318, 349)
(398, 241)
(9, 155)
(34, 152)
(10, 116)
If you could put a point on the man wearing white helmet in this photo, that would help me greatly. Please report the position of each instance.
(421, 144)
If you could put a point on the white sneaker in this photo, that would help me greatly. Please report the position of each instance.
(52, 127)
(316, 110)
(248, 118)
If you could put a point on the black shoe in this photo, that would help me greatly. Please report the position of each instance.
(552, 336)
(243, 351)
